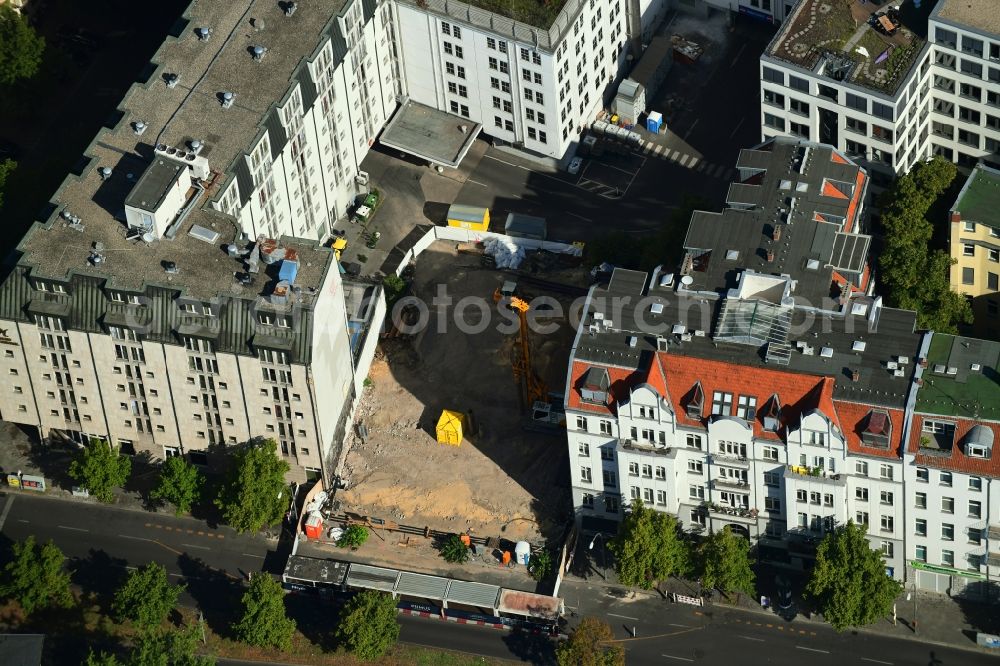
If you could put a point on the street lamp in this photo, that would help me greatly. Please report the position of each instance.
(604, 555)
(914, 595)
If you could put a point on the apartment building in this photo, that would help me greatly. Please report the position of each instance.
(974, 242)
(888, 101)
(177, 299)
(759, 386)
(768, 11)
(953, 521)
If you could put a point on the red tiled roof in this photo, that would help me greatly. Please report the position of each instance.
(622, 381)
(854, 417)
(957, 461)
(796, 392)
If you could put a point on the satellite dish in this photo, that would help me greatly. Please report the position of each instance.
(687, 280)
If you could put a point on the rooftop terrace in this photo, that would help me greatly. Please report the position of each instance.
(833, 38)
(961, 378)
(174, 115)
(979, 200)
(539, 22)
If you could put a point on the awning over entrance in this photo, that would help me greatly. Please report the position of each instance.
(439, 137)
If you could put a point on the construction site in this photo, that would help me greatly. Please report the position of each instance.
(459, 429)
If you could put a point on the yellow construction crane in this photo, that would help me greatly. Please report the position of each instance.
(524, 374)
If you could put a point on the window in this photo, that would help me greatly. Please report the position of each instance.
(776, 122)
(647, 495)
(770, 453)
(948, 504)
(857, 126)
(861, 494)
(773, 75)
(584, 449)
(886, 549)
(693, 442)
(607, 453)
(975, 535)
(581, 423)
(920, 527)
(633, 469)
(722, 403)
(446, 28)
(885, 472)
(695, 466)
(922, 474)
(827, 499)
(861, 468)
(971, 68)
(947, 532)
(746, 407)
(491, 43)
(605, 427)
(920, 553)
(921, 500)
(861, 518)
(800, 495)
(696, 492)
(609, 479)
(802, 520)
(585, 475)
(994, 254)
(661, 497)
(773, 98)
(795, 83)
(661, 473)
(883, 111)
(975, 509)
(975, 483)
(948, 558)
(945, 479)
(886, 497)
(798, 106)
(886, 523)
(647, 471)
(772, 504)
(970, 91)
(633, 492)
(610, 504)
(771, 479)
(814, 498)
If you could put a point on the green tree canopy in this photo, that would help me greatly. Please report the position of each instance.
(146, 597)
(914, 273)
(180, 484)
(726, 564)
(21, 48)
(254, 492)
(35, 577)
(264, 622)
(100, 469)
(101, 659)
(649, 547)
(588, 645)
(353, 537)
(453, 550)
(174, 647)
(6, 168)
(368, 627)
(849, 582)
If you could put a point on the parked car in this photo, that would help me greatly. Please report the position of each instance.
(574, 165)
(784, 593)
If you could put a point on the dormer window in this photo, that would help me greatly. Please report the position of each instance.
(978, 442)
(595, 386)
(772, 414)
(133, 299)
(696, 402)
(937, 435)
(746, 407)
(722, 403)
(878, 429)
(189, 308)
(117, 297)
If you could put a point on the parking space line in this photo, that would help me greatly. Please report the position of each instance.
(674, 155)
(684, 159)
(694, 161)
(670, 656)
(659, 149)
(876, 661)
(751, 638)
(809, 649)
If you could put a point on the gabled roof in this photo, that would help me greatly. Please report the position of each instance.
(856, 418)
(619, 383)
(955, 459)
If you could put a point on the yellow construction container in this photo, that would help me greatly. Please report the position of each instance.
(449, 427)
(474, 218)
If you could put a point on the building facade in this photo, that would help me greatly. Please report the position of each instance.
(974, 243)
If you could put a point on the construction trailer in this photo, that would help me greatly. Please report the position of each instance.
(525, 226)
(475, 218)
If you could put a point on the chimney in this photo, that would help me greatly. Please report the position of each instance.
(776, 234)
(770, 256)
(855, 375)
(955, 217)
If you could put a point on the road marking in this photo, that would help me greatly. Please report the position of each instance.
(877, 661)
(623, 616)
(670, 656)
(497, 159)
(262, 557)
(738, 53)
(684, 159)
(674, 154)
(22, 520)
(6, 510)
(809, 649)
(683, 626)
(693, 125)
(694, 161)
(659, 149)
(476, 182)
(737, 124)
(75, 529)
(751, 638)
(585, 219)
(191, 545)
(135, 538)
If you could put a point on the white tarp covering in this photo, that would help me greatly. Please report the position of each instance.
(506, 253)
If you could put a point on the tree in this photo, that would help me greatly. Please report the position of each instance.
(146, 597)
(174, 647)
(20, 47)
(353, 537)
(35, 577)
(368, 627)
(649, 547)
(915, 274)
(264, 622)
(849, 582)
(454, 551)
(394, 287)
(540, 565)
(6, 168)
(726, 563)
(101, 659)
(99, 469)
(180, 484)
(253, 493)
(589, 645)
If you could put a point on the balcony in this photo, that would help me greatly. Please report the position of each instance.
(731, 459)
(731, 484)
(993, 559)
(645, 447)
(732, 513)
(814, 474)
(993, 532)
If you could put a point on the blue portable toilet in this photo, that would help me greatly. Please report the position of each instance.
(288, 271)
(653, 122)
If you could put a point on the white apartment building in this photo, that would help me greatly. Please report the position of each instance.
(888, 102)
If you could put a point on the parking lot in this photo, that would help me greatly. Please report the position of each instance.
(611, 174)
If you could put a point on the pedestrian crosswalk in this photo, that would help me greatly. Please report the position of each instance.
(687, 161)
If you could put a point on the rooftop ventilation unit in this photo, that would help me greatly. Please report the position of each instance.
(170, 267)
(632, 341)
(105, 172)
(667, 280)
(203, 34)
(698, 333)
(812, 264)
(975, 367)
(290, 8)
(656, 308)
(891, 365)
(227, 99)
(258, 52)
(195, 146)
(661, 344)
(173, 80)
(732, 255)
(138, 127)
(899, 372)
(902, 360)
(679, 329)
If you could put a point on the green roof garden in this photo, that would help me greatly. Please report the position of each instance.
(979, 200)
(538, 13)
(954, 385)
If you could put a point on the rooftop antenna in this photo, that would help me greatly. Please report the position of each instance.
(227, 99)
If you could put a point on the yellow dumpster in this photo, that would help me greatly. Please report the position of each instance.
(449, 427)
(474, 218)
